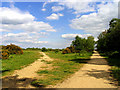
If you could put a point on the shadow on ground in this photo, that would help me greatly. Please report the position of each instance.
(15, 82)
(95, 61)
(101, 74)
(80, 60)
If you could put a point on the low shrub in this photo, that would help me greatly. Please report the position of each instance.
(13, 49)
(83, 53)
(10, 49)
(67, 50)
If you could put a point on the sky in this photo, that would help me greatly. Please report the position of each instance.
(54, 24)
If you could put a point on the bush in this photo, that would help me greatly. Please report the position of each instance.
(67, 50)
(5, 54)
(72, 49)
(10, 49)
(56, 50)
(83, 53)
(13, 49)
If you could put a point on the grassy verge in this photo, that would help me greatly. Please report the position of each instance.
(64, 65)
(114, 62)
(19, 61)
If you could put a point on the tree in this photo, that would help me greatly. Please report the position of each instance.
(109, 40)
(90, 43)
(78, 43)
(83, 44)
(44, 49)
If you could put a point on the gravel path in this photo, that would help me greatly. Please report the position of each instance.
(94, 74)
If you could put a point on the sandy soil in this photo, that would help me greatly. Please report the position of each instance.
(23, 78)
(94, 74)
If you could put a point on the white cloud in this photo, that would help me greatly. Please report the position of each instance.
(96, 22)
(57, 8)
(72, 36)
(14, 19)
(21, 37)
(3, 30)
(15, 16)
(54, 16)
(78, 5)
(31, 31)
(31, 26)
(43, 9)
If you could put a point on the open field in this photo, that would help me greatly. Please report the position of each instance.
(19, 61)
(63, 66)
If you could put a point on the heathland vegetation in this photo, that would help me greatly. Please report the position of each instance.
(108, 44)
(63, 66)
(68, 60)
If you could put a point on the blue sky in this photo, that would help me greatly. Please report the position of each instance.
(53, 24)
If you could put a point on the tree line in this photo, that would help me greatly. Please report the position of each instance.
(81, 44)
(109, 40)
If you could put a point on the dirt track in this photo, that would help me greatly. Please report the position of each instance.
(23, 78)
(94, 74)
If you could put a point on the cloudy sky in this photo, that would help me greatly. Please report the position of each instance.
(54, 24)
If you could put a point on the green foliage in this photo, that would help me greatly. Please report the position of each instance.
(109, 40)
(116, 73)
(33, 48)
(83, 44)
(90, 44)
(56, 50)
(109, 44)
(115, 70)
(44, 49)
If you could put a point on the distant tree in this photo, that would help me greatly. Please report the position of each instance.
(90, 43)
(43, 49)
(78, 43)
(56, 50)
(83, 44)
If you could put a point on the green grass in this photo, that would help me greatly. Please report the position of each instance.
(47, 62)
(18, 61)
(64, 65)
(114, 62)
